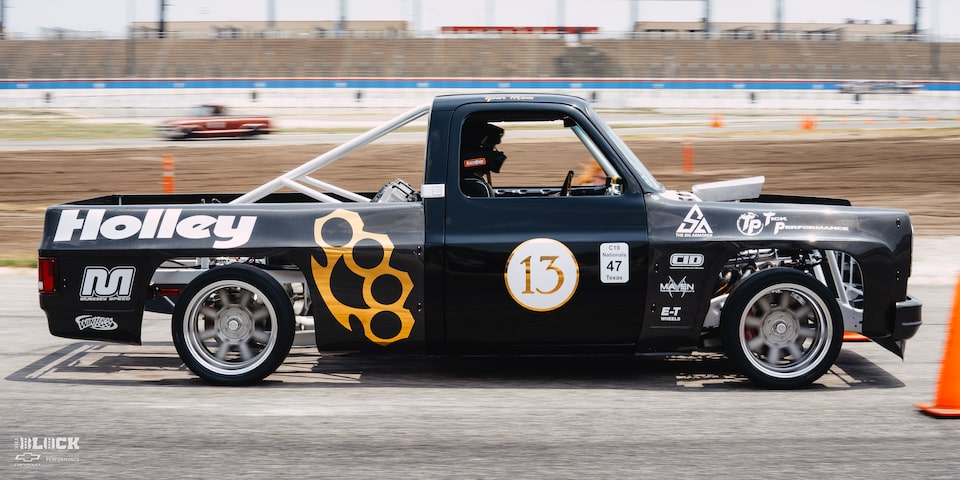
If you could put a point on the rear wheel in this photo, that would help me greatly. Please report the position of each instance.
(233, 325)
(782, 328)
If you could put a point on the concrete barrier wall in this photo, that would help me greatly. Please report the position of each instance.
(164, 98)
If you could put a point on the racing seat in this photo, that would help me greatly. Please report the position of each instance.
(476, 187)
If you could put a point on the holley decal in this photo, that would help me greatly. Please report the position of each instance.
(229, 230)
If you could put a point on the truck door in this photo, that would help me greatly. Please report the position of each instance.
(552, 253)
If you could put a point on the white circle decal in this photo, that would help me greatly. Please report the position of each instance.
(541, 274)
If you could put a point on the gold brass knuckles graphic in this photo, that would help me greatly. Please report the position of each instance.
(341, 249)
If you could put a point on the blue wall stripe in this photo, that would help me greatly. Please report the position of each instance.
(443, 83)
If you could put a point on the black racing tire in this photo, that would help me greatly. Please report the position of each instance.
(233, 325)
(782, 328)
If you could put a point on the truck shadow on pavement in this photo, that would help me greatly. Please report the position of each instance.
(157, 363)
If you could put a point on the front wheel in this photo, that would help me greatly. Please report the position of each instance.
(233, 325)
(782, 328)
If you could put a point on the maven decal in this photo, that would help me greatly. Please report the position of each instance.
(229, 231)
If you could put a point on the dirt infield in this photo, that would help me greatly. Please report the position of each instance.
(917, 174)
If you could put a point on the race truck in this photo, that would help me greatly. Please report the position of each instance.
(502, 246)
(214, 121)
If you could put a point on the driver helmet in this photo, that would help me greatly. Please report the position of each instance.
(478, 147)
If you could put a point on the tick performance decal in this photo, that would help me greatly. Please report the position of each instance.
(542, 274)
(751, 224)
(339, 235)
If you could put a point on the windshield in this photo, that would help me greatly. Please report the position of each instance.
(204, 111)
(649, 182)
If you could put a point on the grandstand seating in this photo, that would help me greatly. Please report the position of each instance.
(472, 57)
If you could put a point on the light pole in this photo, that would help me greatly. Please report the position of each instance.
(162, 28)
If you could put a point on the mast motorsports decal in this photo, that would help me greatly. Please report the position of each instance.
(384, 289)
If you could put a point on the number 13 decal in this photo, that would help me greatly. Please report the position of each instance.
(541, 274)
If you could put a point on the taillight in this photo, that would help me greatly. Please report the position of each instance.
(47, 273)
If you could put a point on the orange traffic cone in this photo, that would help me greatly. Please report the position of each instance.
(808, 122)
(687, 155)
(947, 403)
(168, 178)
(717, 120)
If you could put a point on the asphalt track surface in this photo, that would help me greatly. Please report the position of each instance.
(135, 411)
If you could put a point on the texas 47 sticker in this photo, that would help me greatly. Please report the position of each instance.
(614, 262)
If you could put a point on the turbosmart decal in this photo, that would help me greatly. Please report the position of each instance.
(542, 274)
(383, 289)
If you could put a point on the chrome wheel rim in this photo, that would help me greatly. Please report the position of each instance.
(230, 327)
(786, 331)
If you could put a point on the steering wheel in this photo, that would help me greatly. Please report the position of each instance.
(565, 189)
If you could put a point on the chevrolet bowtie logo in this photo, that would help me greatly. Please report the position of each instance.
(28, 457)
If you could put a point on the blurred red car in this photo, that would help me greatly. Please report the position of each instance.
(214, 121)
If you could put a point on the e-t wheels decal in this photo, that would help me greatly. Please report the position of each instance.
(366, 256)
(542, 274)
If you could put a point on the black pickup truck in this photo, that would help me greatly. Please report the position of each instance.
(486, 256)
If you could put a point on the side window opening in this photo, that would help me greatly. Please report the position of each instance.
(531, 154)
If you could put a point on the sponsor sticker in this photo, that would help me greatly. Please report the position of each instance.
(100, 284)
(475, 162)
(686, 261)
(783, 226)
(96, 322)
(750, 223)
(229, 231)
(35, 451)
(614, 262)
(670, 314)
(681, 287)
(694, 225)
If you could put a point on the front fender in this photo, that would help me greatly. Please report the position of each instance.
(713, 232)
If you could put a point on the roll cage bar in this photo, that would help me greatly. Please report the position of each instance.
(299, 178)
